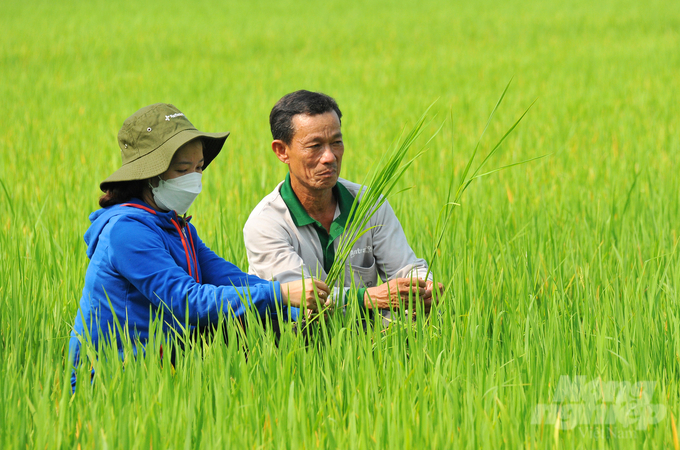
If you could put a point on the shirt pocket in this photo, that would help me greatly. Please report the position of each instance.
(363, 276)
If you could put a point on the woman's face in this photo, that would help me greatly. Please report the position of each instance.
(187, 159)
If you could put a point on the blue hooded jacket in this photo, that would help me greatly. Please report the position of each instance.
(143, 262)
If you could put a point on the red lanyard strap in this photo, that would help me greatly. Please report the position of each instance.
(145, 208)
(193, 250)
(186, 249)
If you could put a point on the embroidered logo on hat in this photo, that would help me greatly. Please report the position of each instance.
(172, 116)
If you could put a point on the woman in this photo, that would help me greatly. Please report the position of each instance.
(145, 256)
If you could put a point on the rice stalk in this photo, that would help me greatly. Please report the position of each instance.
(445, 214)
(372, 195)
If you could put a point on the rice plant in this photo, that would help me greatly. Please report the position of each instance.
(454, 196)
(373, 194)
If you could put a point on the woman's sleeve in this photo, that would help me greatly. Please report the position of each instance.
(217, 270)
(146, 263)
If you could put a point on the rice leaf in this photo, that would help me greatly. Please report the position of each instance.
(372, 195)
(447, 210)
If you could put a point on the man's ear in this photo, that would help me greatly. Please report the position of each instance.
(280, 149)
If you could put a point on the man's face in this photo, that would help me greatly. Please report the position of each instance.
(314, 154)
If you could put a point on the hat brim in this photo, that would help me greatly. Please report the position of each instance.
(158, 161)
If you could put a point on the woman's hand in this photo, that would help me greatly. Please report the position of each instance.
(303, 294)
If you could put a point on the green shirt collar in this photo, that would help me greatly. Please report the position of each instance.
(300, 216)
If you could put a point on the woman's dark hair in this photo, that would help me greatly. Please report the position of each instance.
(298, 102)
(122, 192)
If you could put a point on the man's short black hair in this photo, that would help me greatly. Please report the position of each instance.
(298, 102)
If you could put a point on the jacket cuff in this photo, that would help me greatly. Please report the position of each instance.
(360, 298)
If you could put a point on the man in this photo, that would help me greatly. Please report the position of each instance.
(293, 232)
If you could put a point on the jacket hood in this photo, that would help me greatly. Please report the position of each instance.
(102, 217)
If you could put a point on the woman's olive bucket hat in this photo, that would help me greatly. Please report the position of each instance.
(151, 136)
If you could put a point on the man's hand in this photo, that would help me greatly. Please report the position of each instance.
(295, 295)
(429, 287)
(396, 292)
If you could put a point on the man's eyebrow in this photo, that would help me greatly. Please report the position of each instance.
(320, 137)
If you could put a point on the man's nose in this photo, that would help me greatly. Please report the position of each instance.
(327, 156)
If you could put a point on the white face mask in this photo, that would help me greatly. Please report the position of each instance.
(177, 193)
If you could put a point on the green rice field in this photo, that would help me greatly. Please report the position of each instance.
(560, 324)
